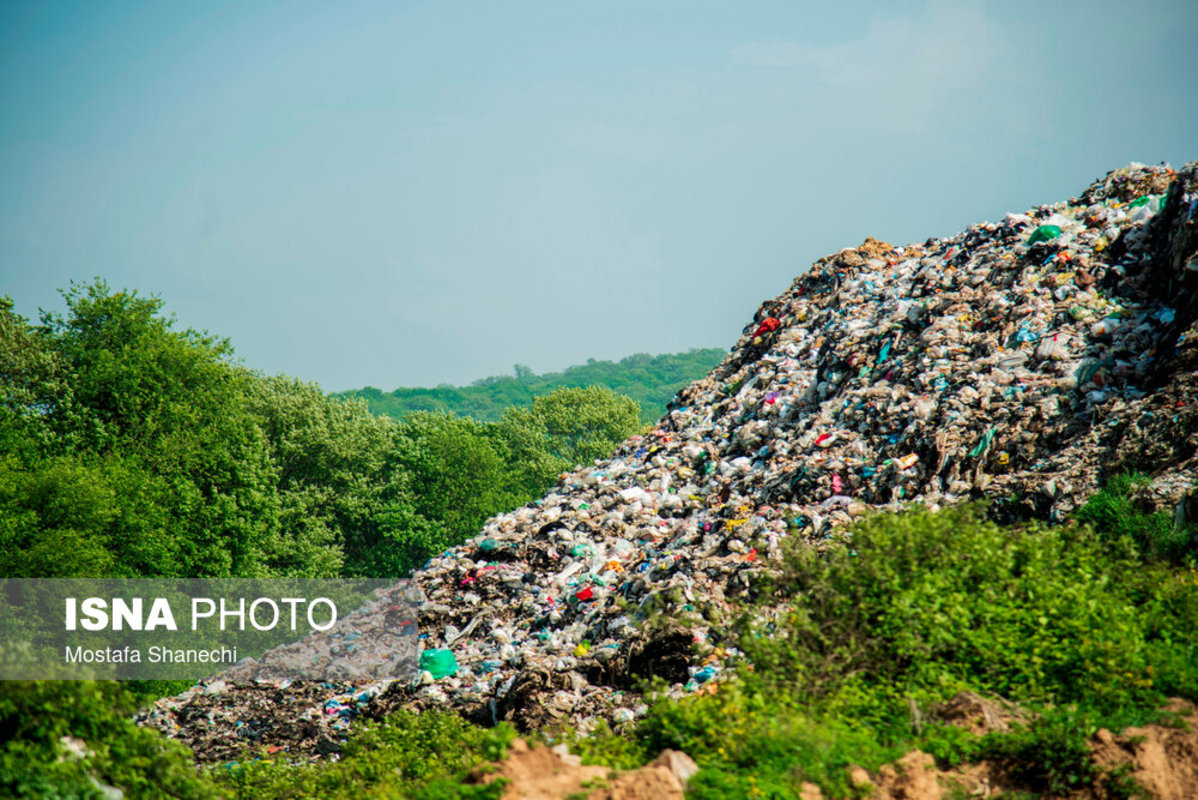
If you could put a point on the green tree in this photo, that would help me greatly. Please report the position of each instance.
(55, 519)
(144, 425)
(650, 380)
(560, 430)
(459, 471)
(344, 493)
(31, 384)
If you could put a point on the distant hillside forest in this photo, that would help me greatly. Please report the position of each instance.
(650, 380)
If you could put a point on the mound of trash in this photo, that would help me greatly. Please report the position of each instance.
(1021, 361)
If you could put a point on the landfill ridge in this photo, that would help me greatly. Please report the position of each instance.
(1021, 362)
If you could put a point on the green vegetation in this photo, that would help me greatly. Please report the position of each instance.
(1071, 624)
(649, 380)
(72, 739)
(419, 756)
(68, 739)
(923, 604)
(129, 448)
(1117, 514)
(569, 426)
(845, 661)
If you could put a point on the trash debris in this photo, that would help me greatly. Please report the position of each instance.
(438, 663)
(1020, 361)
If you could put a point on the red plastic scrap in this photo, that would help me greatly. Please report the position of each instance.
(768, 325)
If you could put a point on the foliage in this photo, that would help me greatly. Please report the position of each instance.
(38, 720)
(608, 748)
(70, 739)
(132, 448)
(147, 425)
(31, 378)
(921, 604)
(915, 607)
(1051, 754)
(1115, 512)
(563, 429)
(755, 744)
(408, 755)
(649, 380)
(345, 500)
(129, 448)
(460, 471)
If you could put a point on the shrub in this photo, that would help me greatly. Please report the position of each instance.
(35, 762)
(1115, 514)
(408, 755)
(925, 604)
(1051, 755)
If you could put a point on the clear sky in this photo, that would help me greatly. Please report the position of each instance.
(405, 193)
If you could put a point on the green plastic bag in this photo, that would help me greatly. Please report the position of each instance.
(439, 663)
(1157, 201)
(984, 444)
(1044, 233)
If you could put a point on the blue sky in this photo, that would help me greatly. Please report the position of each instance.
(414, 193)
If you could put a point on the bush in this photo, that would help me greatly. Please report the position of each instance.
(1051, 755)
(925, 604)
(408, 755)
(754, 744)
(108, 748)
(1116, 515)
(915, 607)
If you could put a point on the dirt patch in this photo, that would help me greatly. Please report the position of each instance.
(543, 773)
(1163, 760)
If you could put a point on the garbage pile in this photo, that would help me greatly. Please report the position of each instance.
(270, 702)
(221, 720)
(1020, 361)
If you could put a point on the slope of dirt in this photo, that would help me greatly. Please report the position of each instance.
(1163, 760)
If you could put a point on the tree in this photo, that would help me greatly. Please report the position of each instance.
(55, 519)
(567, 427)
(344, 492)
(31, 384)
(459, 471)
(152, 417)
